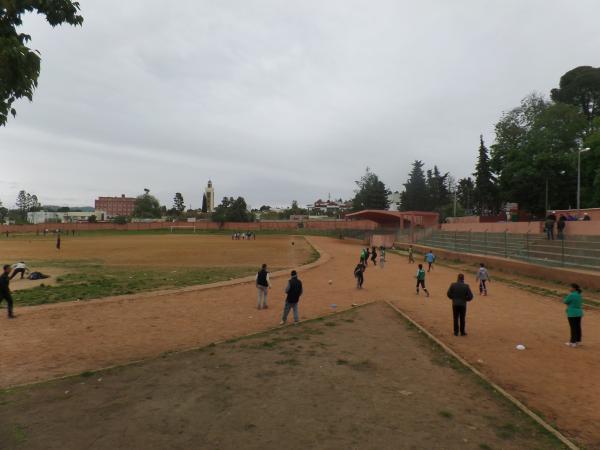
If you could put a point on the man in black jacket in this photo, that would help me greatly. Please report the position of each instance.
(5, 291)
(460, 293)
(293, 291)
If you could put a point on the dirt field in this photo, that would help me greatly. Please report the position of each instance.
(160, 250)
(362, 379)
(559, 382)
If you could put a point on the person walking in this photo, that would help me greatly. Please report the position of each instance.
(483, 277)
(367, 254)
(359, 274)
(430, 259)
(293, 291)
(421, 280)
(374, 255)
(381, 257)
(58, 242)
(411, 255)
(460, 293)
(574, 311)
(363, 256)
(263, 284)
(560, 227)
(5, 290)
(17, 268)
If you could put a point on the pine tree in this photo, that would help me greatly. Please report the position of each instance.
(485, 193)
(414, 196)
(204, 204)
(371, 193)
(178, 205)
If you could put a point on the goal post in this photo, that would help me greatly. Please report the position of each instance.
(183, 229)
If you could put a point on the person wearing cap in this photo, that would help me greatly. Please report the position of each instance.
(460, 293)
(293, 291)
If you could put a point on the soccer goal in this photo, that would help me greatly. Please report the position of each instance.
(182, 229)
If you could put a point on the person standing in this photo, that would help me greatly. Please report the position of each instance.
(560, 227)
(58, 241)
(421, 280)
(381, 257)
(574, 311)
(483, 276)
(460, 293)
(5, 290)
(19, 267)
(367, 254)
(411, 255)
(293, 291)
(586, 217)
(359, 274)
(430, 259)
(549, 226)
(263, 283)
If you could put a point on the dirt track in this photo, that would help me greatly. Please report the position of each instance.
(560, 382)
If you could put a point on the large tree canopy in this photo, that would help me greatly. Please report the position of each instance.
(19, 64)
(232, 210)
(371, 193)
(580, 87)
(147, 206)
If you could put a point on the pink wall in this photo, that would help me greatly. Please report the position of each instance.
(498, 227)
(580, 228)
(465, 219)
(594, 213)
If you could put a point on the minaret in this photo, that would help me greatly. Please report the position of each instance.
(210, 197)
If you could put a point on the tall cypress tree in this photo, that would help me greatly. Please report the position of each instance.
(485, 193)
(415, 189)
(204, 205)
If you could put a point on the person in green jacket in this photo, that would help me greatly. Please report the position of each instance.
(574, 314)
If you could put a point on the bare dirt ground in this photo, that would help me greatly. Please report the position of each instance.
(160, 250)
(361, 379)
(560, 382)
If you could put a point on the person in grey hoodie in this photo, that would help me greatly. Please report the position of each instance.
(483, 276)
(460, 293)
(293, 291)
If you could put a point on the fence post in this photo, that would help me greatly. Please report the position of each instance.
(506, 243)
(470, 248)
(527, 244)
(562, 252)
(454, 240)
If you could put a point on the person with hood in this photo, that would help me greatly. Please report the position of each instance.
(483, 277)
(294, 291)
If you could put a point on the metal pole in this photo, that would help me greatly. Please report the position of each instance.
(485, 242)
(454, 239)
(455, 202)
(562, 253)
(546, 195)
(527, 244)
(470, 248)
(505, 243)
(578, 179)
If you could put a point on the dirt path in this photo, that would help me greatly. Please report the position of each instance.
(284, 389)
(551, 378)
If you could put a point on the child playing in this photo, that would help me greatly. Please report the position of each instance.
(421, 280)
(483, 277)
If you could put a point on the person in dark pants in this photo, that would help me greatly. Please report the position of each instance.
(421, 280)
(460, 293)
(262, 285)
(574, 314)
(359, 274)
(549, 226)
(58, 242)
(374, 255)
(293, 291)
(560, 226)
(5, 290)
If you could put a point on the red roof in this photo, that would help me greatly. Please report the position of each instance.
(379, 215)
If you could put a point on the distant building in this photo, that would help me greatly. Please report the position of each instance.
(329, 207)
(64, 217)
(394, 198)
(210, 197)
(116, 206)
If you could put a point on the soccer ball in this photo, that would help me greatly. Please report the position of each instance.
(330, 281)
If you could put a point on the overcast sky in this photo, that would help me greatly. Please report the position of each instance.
(278, 100)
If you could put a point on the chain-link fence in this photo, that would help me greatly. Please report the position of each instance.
(579, 251)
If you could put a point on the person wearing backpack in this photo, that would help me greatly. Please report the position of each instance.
(421, 280)
(460, 294)
(262, 285)
(294, 291)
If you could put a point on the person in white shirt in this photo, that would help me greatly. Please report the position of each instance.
(483, 277)
(19, 267)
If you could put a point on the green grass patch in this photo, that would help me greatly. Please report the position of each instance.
(96, 281)
(446, 414)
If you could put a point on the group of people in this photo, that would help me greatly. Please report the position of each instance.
(243, 236)
(293, 291)
(560, 223)
(361, 267)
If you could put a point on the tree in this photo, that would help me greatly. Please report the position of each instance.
(19, 64)
(146, 206)
(437, 190)
(92, 219)
(580, 87)
(3, 213)
(485, 193)
(120, 220)
(464, 194)
(415, 189)
(371, 193)
(22, 204)
(178, 205)
(232, 210)
(204, 204)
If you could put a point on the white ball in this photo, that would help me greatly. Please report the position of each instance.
(520, 347)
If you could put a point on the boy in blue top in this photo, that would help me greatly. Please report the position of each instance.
(421, 280)
(429, 259)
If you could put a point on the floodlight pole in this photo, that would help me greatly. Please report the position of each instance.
(579, 152)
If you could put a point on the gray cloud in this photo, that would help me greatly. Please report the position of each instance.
(278, 100)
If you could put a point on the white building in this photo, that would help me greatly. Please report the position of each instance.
(64, 217)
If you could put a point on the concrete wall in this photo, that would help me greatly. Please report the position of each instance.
(464, 219)
(581, 228)
(588, 280)
(498, 227)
